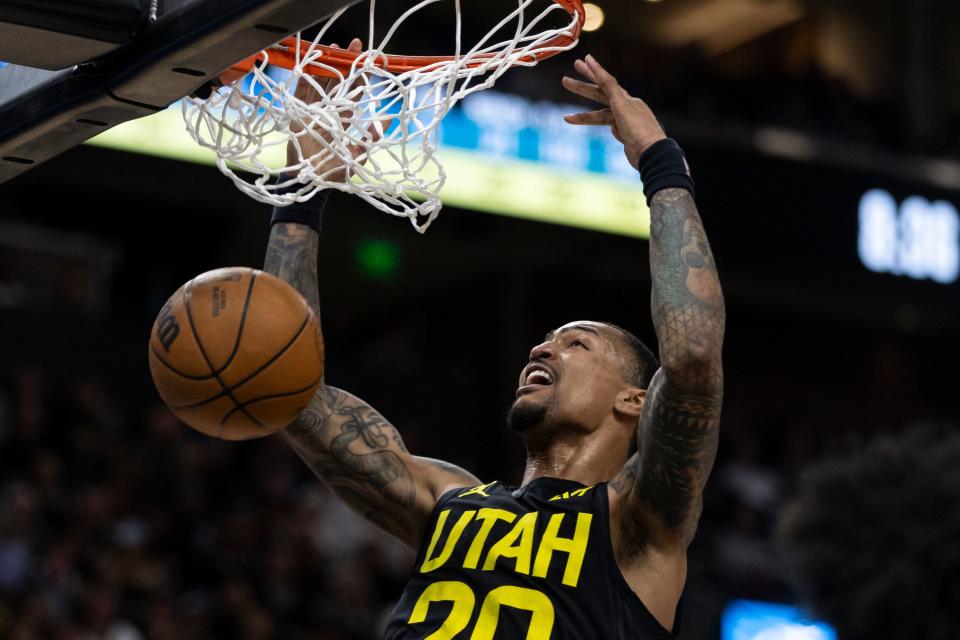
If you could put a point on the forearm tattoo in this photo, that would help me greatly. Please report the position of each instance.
(346, 443)
(356, 452)
(340, 437)
(292, 257)
(678, 430)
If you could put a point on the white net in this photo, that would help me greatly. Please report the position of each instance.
(367, 131)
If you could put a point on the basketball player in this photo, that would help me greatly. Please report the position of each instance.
(593, 542)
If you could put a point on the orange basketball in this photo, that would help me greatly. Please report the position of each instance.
(236, 353)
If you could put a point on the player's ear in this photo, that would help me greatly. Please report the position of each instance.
(630, 401)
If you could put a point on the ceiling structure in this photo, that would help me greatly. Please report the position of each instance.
(879, 73)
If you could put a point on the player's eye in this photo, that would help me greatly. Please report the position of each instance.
(577, 343)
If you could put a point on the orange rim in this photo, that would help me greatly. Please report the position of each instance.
(283, 54)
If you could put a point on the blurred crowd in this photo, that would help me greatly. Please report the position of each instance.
(119, 523)
(121, 527)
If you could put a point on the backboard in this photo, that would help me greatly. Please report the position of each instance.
(76, 69)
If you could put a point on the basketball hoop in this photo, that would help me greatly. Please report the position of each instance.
(388, 105)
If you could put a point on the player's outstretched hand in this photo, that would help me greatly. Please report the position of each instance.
(325, 163)
(632, 121)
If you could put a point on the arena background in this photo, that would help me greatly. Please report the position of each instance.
(118, 522)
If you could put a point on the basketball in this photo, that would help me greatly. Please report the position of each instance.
(236, 353)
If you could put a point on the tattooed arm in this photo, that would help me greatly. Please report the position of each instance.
(656, 499)
(350, 446)
(678, 430)
(362, 458)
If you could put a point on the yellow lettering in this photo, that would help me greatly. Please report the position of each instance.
(538, 604)
(509, 547)
(489, 518)
(576, 547)
(578, 493)
(433, 563)
(478, 491)
(463, 600)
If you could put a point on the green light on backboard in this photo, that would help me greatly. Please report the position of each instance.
(378, 259)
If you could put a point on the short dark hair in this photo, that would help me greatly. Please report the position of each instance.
(873, 538)
(642, 363)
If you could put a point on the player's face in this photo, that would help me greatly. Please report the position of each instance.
(572, 379)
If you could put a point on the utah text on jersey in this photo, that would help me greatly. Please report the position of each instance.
(535, 563)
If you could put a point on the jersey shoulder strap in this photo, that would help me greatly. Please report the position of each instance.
(637, 614)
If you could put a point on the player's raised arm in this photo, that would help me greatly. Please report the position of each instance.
(350, 446)
(657, 498)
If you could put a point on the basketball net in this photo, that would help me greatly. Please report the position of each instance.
(389, 107)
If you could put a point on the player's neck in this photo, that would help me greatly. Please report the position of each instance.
(585, 459)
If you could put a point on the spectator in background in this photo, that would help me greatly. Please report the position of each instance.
(114, 528)
(873, 538)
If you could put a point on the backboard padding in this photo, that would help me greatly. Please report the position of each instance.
(43, 115)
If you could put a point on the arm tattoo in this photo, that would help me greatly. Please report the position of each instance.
(341, 438)
(679, 423)
(373, 463)
(354, 450)
(676, 455)
(350, 446)
(292, 257)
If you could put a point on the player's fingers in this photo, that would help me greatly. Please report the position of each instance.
(357, 150)
(584, 89)
(358, 81)
(356, 98)
(382, 127)
(306, 91)
(329, 83)
(375, 133)
(372, 136)
(324, 83)
(362, 148)
(356, 46)
(600, 117)
(584, 69)
(607, 83)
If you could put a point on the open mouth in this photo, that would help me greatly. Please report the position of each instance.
(537, 377)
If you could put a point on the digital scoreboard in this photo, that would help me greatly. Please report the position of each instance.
(916, 238)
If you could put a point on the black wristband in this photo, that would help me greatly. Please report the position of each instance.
(664, 166)
(309, 213)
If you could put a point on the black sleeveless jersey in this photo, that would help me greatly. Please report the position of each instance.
(499, 563)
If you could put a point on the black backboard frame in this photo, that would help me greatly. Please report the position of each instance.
(44, 113)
